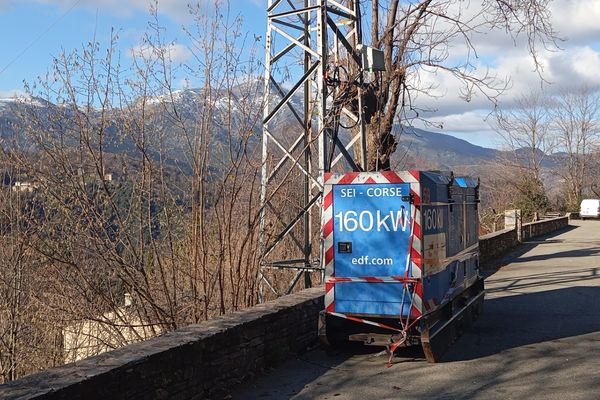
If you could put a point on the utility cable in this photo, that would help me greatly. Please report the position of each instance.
(34, 41)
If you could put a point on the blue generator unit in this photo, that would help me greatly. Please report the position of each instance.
(401, 259)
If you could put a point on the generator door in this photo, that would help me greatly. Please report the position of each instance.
(372, 229)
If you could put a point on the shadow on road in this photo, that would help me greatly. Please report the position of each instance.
(556, 313)
(516, 324)
(539, 280)
(525, 319)
(515, 254)
(288, 379)
(590, 251)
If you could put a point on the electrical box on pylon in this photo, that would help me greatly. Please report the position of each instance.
(401, 259)
(372, 58)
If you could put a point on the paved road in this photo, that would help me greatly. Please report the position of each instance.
(539, 338)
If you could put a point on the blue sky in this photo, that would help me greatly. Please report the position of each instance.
(33, 31)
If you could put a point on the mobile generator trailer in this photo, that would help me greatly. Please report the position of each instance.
(401, 259)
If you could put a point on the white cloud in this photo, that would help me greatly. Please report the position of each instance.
(576, 20)
(572, 66)
(179, 53)
(472, 126)
(508, 57)
(470, 121)
(584, 63)
(175, 53)
(444, 94)
(176, 9)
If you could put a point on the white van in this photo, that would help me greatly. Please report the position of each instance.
(590, 208)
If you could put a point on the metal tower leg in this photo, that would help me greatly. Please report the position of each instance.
(307, 84)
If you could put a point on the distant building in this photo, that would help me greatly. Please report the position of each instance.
(84, 173)
(110, 331)
(24, 187)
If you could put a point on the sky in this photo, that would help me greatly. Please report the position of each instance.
(32, 32)
(35, 31)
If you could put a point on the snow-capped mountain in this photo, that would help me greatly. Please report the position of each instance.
(172, 124)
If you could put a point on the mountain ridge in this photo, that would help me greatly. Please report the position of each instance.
(434, 149)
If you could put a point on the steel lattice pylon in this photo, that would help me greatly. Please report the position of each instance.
(313, 81)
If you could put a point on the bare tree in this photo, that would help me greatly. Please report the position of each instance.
(418, 37)
(142, 192)
(13, 287)
(28, 339)
(576, 117)
(528, 140)
(526, 130)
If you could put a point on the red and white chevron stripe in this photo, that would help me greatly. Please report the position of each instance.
(327, 217)
(374, 279)
(415, 259)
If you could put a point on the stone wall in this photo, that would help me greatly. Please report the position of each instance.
(493, 245)
(197, 362)
(202, 361)
(540, 228)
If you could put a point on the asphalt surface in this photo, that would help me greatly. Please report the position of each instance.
(538, 338)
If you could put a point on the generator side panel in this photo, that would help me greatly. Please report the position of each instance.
(468, 254)
(450, 237)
